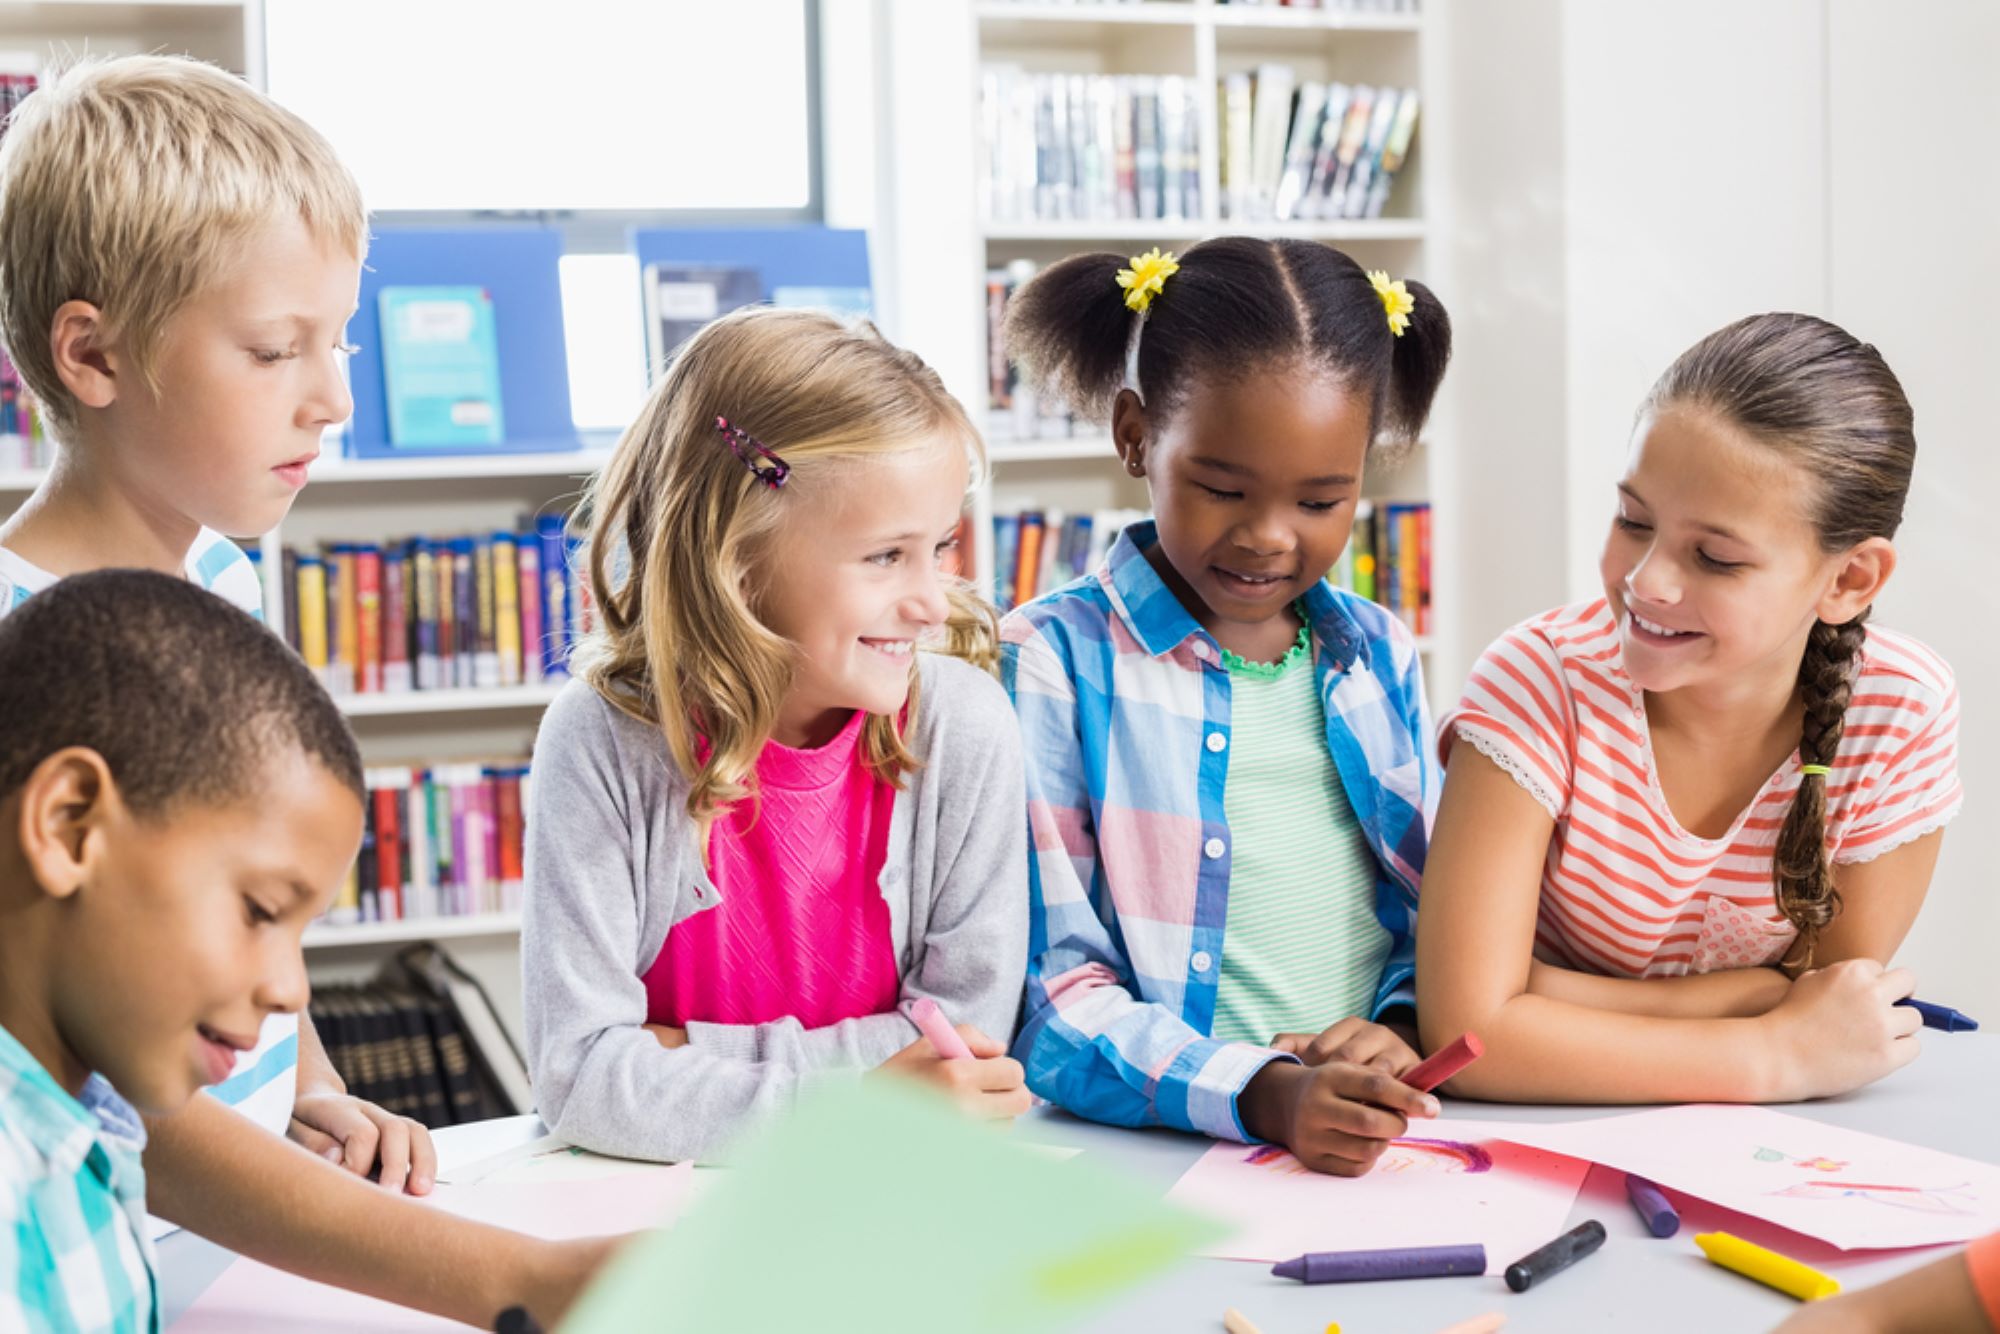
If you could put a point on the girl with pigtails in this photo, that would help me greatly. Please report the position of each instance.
(1229, 765)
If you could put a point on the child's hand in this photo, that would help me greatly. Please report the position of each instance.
(991, 1086)
(1355, 1041)
(1839, 1027)
(1335, 1118)
(362, 1137)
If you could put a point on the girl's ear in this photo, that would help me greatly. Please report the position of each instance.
(1857, 581)
(1128, 431)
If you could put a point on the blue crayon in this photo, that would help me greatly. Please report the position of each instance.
(1941, 1017)
(1662, 1219)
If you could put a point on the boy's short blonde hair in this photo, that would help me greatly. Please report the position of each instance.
(127, 182)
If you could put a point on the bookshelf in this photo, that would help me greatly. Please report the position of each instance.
(1201, 44)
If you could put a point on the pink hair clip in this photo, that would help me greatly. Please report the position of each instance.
(769, 469)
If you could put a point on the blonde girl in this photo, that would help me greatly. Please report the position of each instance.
(766, 817)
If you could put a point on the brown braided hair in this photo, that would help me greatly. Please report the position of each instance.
(1828, 401)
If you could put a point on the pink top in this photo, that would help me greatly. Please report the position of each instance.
(802, 929)
(1628, 892)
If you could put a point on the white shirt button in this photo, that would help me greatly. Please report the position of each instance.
(1201, 962)
(1212, 849)
(1216, 741)
(1202, 650)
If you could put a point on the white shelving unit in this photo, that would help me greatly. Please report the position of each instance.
(1205, 42)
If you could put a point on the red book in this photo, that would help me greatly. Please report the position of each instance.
(368, 613)
(388, 853)
(1424, 570)
(507, 800)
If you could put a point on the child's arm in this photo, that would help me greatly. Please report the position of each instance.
(1959, 1294)
(970, 946)
(355, 1133)
(1475, 944)
(1088, 1042)
(1733, 993)
(272, 1201)
(1879, 901)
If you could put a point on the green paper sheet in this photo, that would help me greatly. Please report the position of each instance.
(880, 1208)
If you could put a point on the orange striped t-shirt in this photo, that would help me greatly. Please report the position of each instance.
(1627, 891)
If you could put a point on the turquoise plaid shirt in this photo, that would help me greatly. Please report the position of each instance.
(73, 1249)
(1124, 707)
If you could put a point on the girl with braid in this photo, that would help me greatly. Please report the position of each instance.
(1686, 824)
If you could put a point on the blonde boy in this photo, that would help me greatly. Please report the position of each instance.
(179, 257)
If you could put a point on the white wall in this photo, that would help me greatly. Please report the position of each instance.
(1914, 249)
(1630, 177)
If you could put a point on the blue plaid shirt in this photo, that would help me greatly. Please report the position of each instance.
(74, 1256)
(1124, 710)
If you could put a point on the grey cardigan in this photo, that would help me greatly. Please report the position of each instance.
(612, 863)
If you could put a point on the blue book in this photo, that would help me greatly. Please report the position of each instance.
(441, 367)
(555, 596)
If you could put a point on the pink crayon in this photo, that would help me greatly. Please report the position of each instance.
(930, 1021)
(1444, 1063)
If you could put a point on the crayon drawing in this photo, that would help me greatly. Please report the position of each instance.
(1445, 1187)
(1855, 1190)
(1411, 1154)
(1957, 1200)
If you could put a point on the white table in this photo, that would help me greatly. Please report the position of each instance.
(1945, 1100)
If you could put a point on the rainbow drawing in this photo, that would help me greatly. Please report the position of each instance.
(1402, 1155)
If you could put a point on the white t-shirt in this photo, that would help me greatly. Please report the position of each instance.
(265, 1080)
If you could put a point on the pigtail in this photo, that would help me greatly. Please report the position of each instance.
(1800, 868)
(1067, 329)
(1419, 356)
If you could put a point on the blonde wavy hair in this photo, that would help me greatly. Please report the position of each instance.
(677, 526)
(129, 183)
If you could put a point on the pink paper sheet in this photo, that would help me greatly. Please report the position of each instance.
(1441, 1186)
(250, 1298)
(1855, 1190)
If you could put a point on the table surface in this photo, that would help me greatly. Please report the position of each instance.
(1944, 1100)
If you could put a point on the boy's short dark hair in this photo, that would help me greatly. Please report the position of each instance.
(184, 695)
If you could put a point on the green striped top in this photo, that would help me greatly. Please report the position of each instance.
(1301, 945)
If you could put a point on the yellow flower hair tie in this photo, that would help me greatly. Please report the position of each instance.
(1396, 299)
(1147, 276)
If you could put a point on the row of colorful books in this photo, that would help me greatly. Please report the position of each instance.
(1388, 559)
(498, 609)
(1037, 551)
(1305, 149)
(1014, 411)
(446, 841)
(1096, 147)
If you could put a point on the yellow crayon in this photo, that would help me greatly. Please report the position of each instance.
(1767, 1267)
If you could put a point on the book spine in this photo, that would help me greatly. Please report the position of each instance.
(529, 557)
(555, 597)
(506, 609)
(396, 676)
(289, 574)
(486, 662)
(368, 619)
(464, 614)
(347, 634)
(311, 597)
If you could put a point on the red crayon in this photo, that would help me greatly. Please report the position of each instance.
(1444, 1063)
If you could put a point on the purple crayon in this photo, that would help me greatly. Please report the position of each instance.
(1662, 1219)
(1364, 1266)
